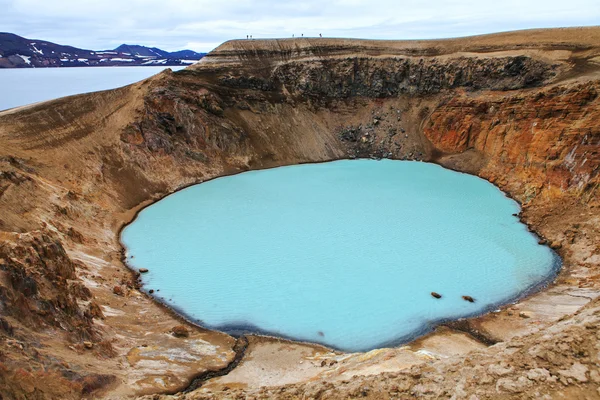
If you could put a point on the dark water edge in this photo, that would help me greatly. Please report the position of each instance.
(241, 344)
(239, 329)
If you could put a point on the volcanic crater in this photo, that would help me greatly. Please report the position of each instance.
(519, 109)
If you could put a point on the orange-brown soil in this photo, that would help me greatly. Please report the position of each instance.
(520, 109)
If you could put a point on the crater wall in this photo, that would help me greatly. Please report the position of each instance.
(518, 109)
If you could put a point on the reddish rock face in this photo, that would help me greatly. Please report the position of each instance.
(42, 292)
(549, 137)
(42, 285)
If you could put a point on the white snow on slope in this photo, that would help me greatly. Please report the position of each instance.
(25, 58)
(35, 49)
(155, 62)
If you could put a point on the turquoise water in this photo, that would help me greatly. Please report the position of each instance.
(344, 253)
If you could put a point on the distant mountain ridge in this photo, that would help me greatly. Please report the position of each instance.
(142, 51)
(19, 52)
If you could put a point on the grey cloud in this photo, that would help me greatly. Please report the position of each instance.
(202, 24)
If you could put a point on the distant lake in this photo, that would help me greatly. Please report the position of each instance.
(22, 86)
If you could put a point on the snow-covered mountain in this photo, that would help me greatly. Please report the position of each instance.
(19, 52)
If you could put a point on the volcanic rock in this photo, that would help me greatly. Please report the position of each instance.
(180, 331)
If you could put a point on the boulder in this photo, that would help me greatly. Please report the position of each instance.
(94, 311)
(180, 331)
(436, 295)
(469, 299)
(143, 270)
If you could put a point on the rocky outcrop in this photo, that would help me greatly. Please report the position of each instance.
(40, 291)
(41, 287)
(546, 141)
(185, 124)
(380, 78)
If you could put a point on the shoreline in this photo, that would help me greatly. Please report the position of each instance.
(239, 331)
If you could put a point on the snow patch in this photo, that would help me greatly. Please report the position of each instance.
(25, 58)
(35, 49)
(121, 59)
(152, 62)
(188, 61)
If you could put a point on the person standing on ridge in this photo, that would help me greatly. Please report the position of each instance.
(320, 35)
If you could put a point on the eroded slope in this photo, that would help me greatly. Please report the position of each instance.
(519, 109)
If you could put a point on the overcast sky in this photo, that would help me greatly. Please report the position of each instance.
(201, 25)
